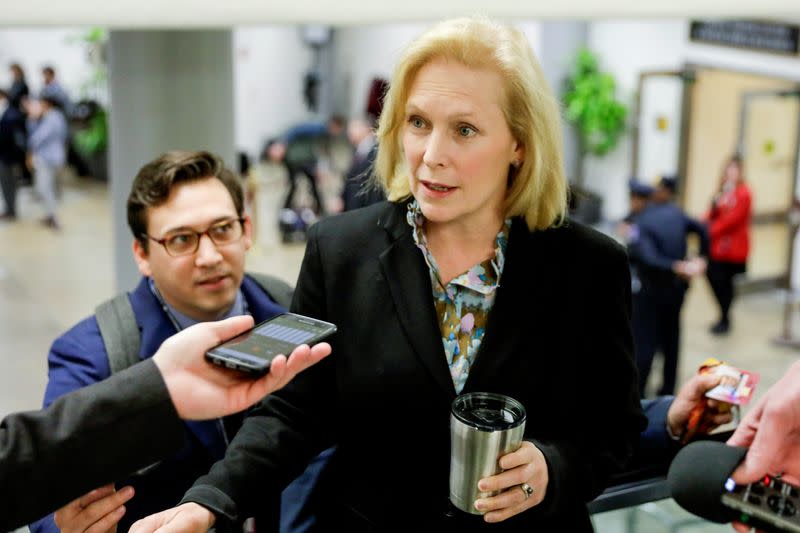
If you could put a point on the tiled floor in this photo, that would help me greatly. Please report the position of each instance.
(50, 280)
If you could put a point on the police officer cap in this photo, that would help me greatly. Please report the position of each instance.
(638, 188)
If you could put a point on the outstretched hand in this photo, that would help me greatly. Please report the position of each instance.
(202, 391)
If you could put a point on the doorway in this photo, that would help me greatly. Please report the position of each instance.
(757, 116)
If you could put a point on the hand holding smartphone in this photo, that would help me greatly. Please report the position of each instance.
(252, 351)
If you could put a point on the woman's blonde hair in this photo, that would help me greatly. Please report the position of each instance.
(538, 190)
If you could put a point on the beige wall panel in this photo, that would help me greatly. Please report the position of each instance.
(770, 144)
(714, 123)
(769, 251)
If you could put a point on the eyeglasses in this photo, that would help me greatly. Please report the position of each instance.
(185, 242)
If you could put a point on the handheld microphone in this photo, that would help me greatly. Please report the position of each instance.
(699, 479)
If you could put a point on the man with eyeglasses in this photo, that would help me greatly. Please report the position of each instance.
(190, 235)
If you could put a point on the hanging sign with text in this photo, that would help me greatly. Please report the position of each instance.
(771, 37)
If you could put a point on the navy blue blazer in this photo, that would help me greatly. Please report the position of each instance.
(655, 443)
(78, 358)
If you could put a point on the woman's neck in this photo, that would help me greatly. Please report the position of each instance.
(457, 247)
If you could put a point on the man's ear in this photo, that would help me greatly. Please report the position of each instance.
(142, 258)
(247, 226)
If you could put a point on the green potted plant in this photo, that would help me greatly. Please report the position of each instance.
(91, 133)
(591, 105)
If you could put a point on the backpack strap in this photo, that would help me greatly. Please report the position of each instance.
(120, 332)
(278, 290)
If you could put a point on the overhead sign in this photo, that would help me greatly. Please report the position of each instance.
(772, 37)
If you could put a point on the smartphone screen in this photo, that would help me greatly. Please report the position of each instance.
(253, 350)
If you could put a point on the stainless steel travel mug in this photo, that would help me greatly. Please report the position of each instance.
(483, 428)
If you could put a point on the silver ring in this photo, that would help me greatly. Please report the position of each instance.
(527, 489)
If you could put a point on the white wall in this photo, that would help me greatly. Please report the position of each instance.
(269, 65)
(363, 53)
(35, 48)
(559, 43)
(629, 47)
(625, 49)
(213, 13)
(662, 99)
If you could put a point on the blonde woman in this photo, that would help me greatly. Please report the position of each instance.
(468, 279)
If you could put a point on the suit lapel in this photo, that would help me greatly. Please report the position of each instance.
(409, 283)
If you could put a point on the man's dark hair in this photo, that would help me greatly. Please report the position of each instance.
(155, 180)
(50, 71)
(18, 70)
(669, 182)
(3, 94)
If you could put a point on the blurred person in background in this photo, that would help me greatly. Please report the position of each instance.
(359, 189)
(639, 194)
(729, 235)
(658, 249)
(12, 153)
(19, 86)
(53, 90)
(299, 150)
(17, 95)
(668, 418)
(47, 145)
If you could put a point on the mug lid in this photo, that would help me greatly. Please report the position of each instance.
(488, 411)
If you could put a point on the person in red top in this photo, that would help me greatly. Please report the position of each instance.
(729, 233)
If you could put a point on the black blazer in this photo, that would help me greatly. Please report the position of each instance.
(83, 440)
(13, 136)
(558, 340)
(358, 191)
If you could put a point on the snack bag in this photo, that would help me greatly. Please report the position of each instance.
(736, 387)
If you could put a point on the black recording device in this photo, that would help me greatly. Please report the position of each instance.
(699, 478)
(252, 351)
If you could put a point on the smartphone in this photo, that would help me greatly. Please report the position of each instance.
(252, 351)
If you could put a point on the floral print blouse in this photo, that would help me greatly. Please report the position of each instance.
(463, 304)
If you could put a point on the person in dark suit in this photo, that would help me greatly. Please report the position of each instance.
(658, 252)
(667, 417)
(13, 137)
(17, 96)
(107, 430)
(298, 150)
(19, 87)
(359, 190)
(468, 279)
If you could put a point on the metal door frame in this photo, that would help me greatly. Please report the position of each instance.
(777, 216)
(687, 77)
